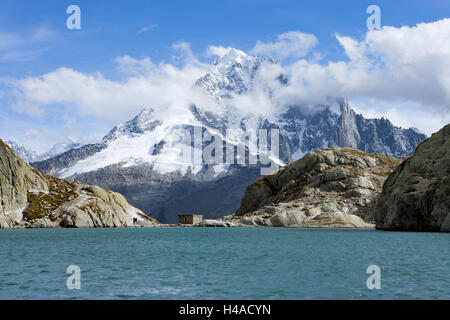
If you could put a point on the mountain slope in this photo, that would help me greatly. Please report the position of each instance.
(145, 157)
(31, 199)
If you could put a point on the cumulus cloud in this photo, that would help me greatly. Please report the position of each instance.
(114, 101)
(217, 51)
(131, 66)
(407, 64)
(294, 44)
(185, 53)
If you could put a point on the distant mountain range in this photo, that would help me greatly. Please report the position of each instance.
(31, 155)
(143, 158)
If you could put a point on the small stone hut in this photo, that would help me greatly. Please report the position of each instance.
(189, 218)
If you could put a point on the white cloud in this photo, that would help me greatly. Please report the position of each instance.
(185, 52)
(217, 51)
(71, 92)
(147, 28)
(407, 64)
(400, 73)
(131, 66)
(294, 44)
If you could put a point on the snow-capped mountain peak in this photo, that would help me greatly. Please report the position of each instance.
(232, 55)
(143, 122)
(30, 155)
(232, 73)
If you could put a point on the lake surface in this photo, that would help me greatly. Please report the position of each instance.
(223, 263)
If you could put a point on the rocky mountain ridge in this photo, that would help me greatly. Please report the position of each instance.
(32, 156)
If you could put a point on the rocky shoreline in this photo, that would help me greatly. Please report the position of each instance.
(327, 188)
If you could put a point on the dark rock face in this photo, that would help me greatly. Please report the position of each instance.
(143, 122)
(54, 165)
(325, 129)
(416, 196)
(158, 147)
(165, 196)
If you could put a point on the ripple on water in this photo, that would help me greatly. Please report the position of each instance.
(187, 263)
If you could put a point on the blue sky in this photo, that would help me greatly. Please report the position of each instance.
(36, 40)
(110, 28)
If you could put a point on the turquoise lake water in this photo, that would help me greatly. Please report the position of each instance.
(223, 263)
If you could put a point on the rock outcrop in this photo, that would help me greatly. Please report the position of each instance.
(416, 196)
(31, 199)
(335, 187)
(214, 223)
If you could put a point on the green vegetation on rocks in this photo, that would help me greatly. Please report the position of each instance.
(31, 199)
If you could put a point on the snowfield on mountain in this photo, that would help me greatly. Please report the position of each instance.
(145, 158)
